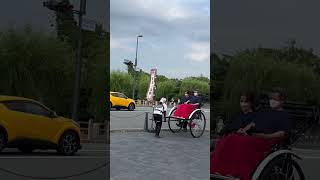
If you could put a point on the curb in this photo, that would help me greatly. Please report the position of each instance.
(85, 141)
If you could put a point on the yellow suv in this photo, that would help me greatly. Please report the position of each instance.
(121, 101)
(28, 125)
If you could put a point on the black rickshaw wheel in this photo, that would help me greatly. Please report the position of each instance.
(175, 124)
(197, 124)
(282, 169)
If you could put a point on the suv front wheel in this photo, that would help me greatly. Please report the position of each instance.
(69, 143)
(131, 107)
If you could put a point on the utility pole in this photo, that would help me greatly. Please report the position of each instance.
(77, 83)
(63, 7)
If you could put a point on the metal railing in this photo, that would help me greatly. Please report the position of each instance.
(91, 131)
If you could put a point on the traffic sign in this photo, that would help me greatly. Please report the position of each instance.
(88, 25)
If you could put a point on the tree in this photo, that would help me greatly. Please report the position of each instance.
(194, 84)
(97, 70)
(143, 85)
(66, 27)
(37, 66)
(166, 89)
(121, 82)
(259, 73)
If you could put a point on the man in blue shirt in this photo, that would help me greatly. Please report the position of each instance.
(196, 99)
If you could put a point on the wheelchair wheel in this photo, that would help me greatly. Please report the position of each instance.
(197, 124)
(282, 169)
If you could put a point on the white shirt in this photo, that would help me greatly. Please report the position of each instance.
(160, 109)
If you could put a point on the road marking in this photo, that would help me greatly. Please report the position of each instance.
(306, 150)
(98, 150)
(53, 157)
(310, 157)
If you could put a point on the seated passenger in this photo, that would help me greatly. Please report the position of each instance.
(196, 99)
(274, 123)
(186, 98)
(243, 118)
(239, 155)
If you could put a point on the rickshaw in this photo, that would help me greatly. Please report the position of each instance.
(196, 121)
(281, 162)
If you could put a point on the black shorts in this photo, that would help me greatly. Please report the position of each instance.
(157, 117)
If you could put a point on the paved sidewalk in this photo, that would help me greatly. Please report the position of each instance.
(141, 156)
(136, 119)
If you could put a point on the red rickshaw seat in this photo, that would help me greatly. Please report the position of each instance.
(183, 111)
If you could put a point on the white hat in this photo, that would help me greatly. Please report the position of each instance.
(163, 100)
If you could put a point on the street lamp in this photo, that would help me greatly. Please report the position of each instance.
(135, 67)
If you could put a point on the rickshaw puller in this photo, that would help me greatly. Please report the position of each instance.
(158, 115)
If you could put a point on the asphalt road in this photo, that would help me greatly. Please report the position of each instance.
(310, 162)
(124, 119)
(49, 164)
(141, 156)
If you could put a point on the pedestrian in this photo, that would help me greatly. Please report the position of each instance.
(158, 115)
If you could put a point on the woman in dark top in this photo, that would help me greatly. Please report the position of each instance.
(245, 117)
(186, 98)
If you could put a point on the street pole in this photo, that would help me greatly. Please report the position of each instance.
(77, 82)
(135, 68)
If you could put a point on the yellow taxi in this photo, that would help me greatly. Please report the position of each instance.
(121, 101)
(28, 125)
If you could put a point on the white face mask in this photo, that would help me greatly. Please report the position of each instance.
(243, 104)
(273, 103)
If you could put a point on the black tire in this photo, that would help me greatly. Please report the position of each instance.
(172, 123)
(26, 149)
(195, 121)
(3, 140)
(118, 108)
(282, 168)
(131, 107)
(69, 143)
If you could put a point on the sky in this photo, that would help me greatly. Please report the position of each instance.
(238, 25)
(17, 13)
(176, 36)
